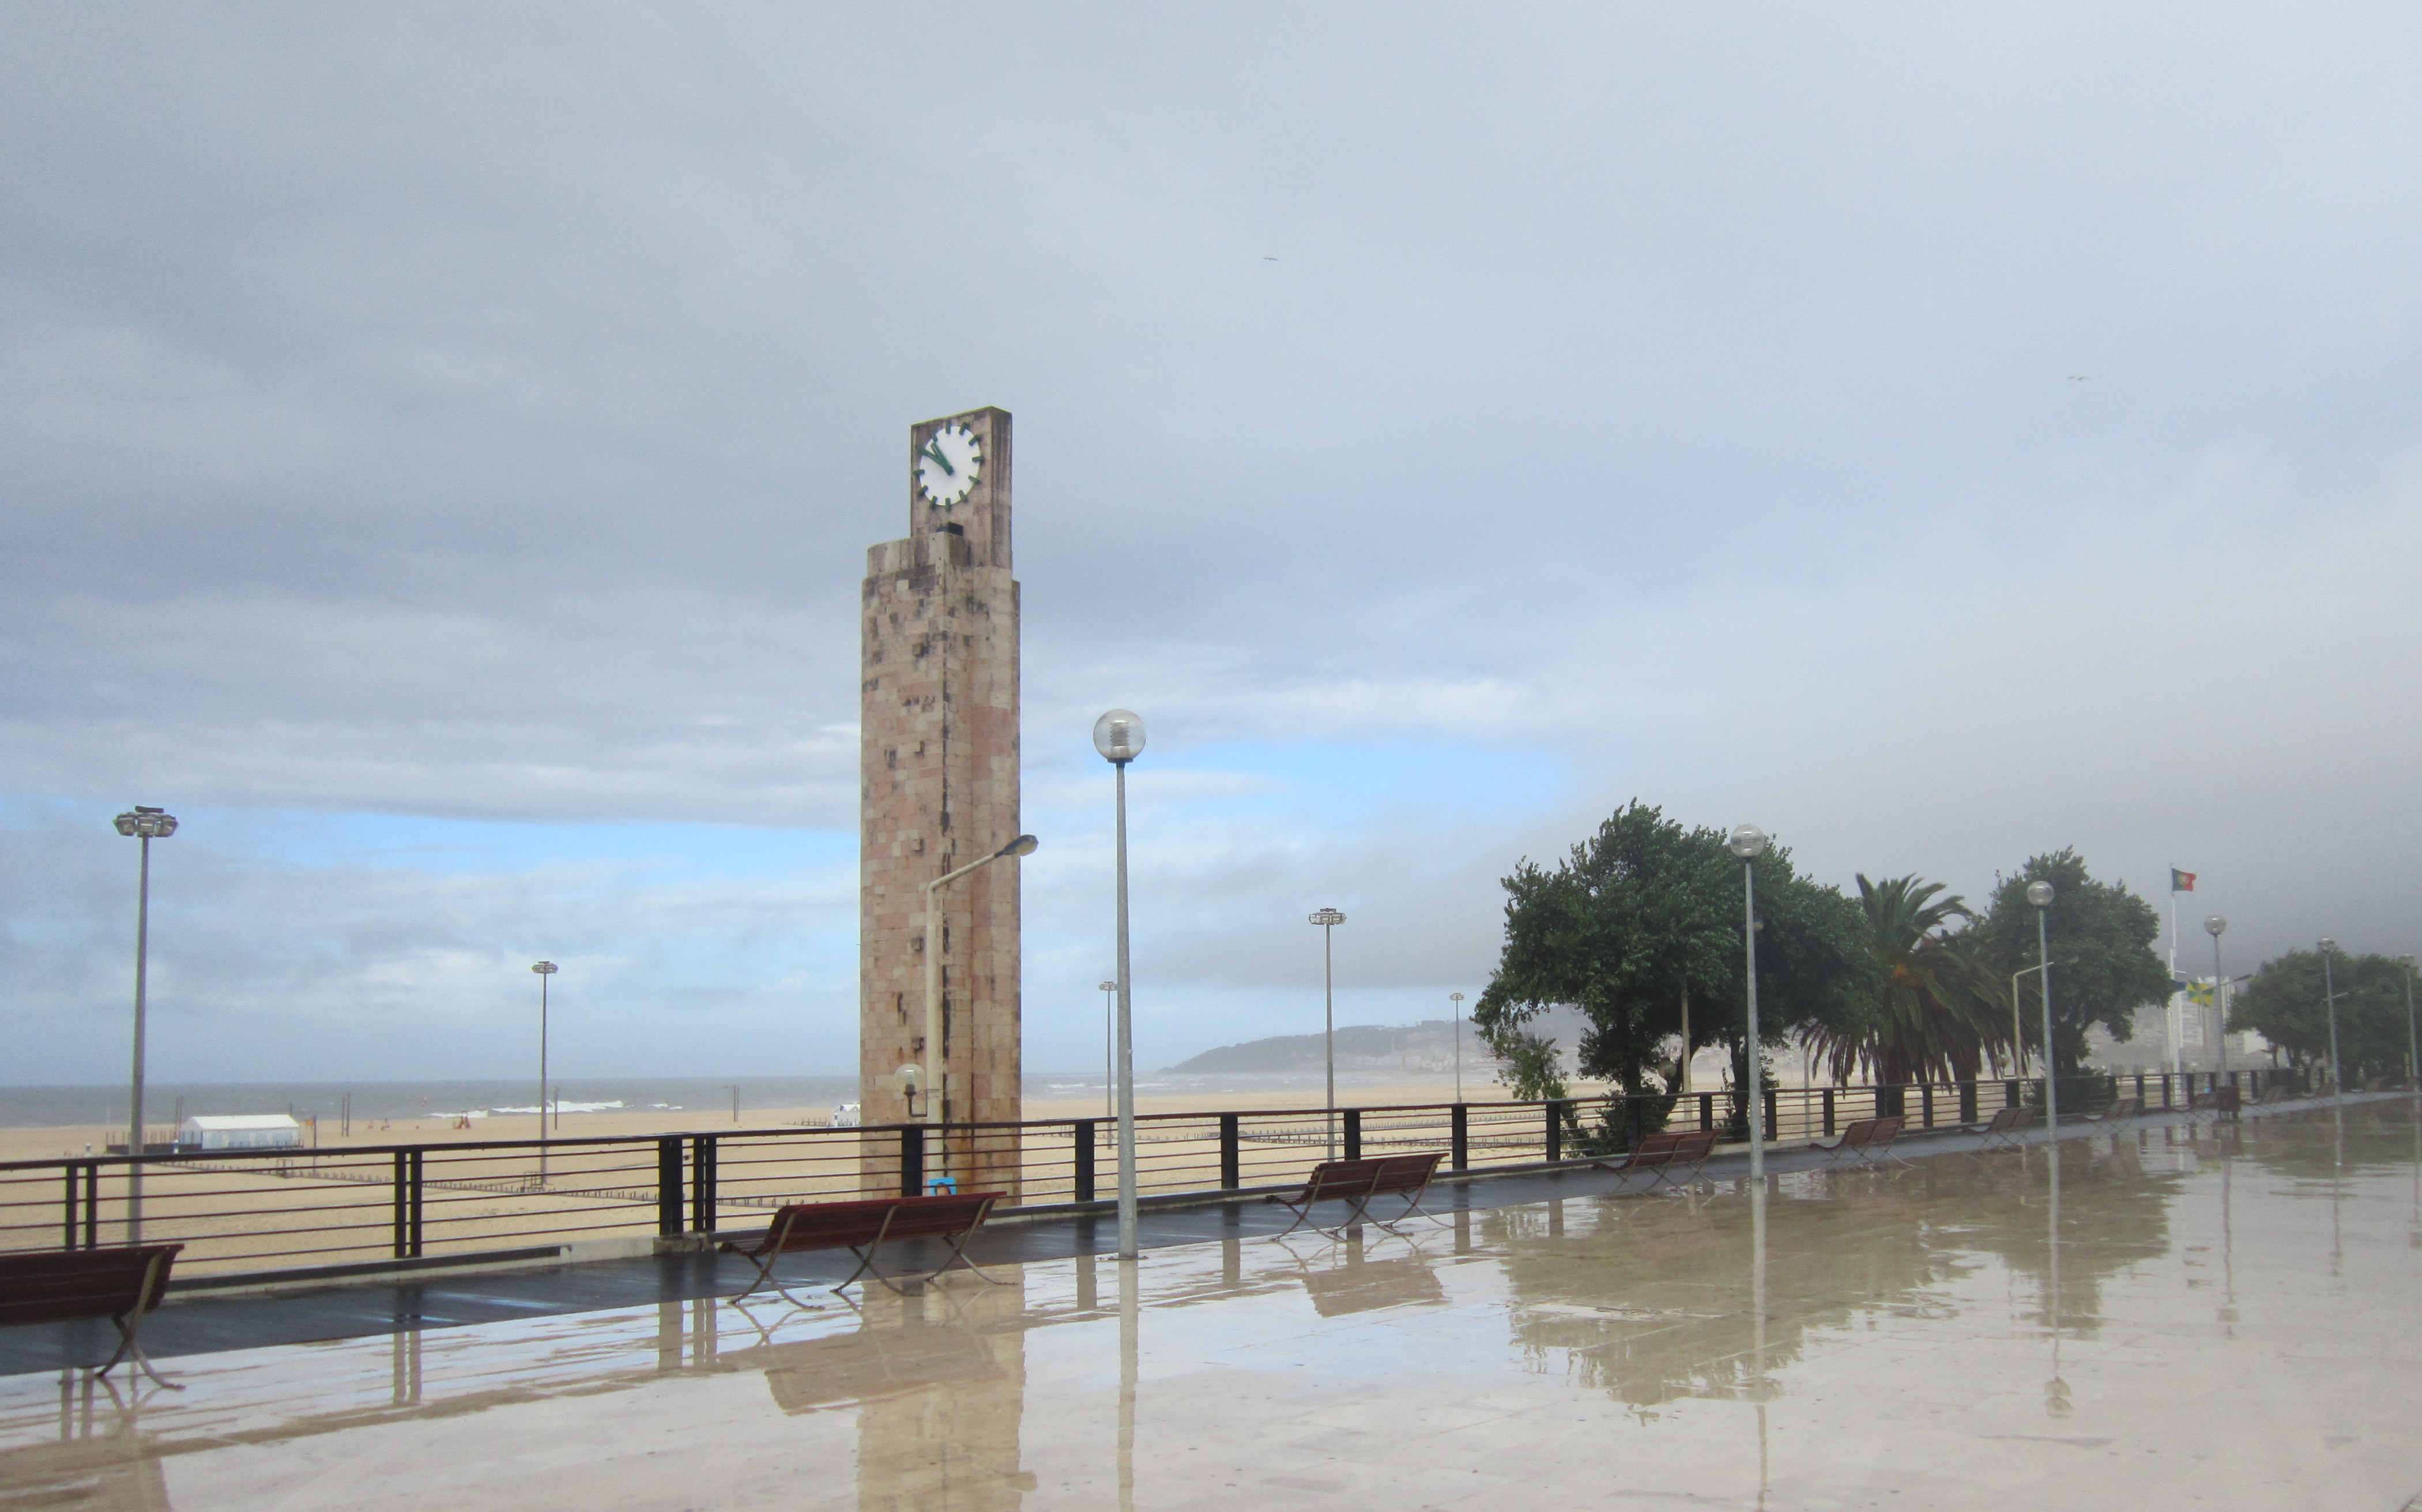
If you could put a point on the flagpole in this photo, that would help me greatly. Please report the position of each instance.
(2178, 1009)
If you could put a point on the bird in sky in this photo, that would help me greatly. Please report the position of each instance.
(2077, 377)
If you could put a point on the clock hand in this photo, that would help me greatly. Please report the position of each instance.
(933, 448)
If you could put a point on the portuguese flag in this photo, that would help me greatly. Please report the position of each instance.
(2181, 881)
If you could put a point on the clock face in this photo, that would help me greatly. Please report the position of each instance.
(946, 466)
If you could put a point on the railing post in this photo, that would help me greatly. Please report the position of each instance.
(1773, 1108)
(92, 1204)
(912, 1159)
(414, 1184)
(2140, 1089)
(1354, 1133)
(1459, 1137)
(1634, 1120)
(1081, 1182)
(1555, 1131)
(1925, 1105)
(1829, 1112)
(1968, 1102)
(68, 1207)
(1706, 1110)
(669, 1186)
(2166, 1092)
(701, 1183)
(1232, 1153)
(402, 1204)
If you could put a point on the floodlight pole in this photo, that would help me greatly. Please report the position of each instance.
(2040, 894)
(2412, 1059)
(2330, 996)
(2213, 926)
(1749, 843)
(1456, 997)
(545, 970)
(1329, 919)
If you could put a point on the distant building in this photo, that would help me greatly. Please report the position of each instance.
(247, 1132)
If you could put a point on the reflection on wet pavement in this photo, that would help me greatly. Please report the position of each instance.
(2216, 1317)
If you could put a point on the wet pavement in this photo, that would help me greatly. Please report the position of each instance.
(2212, 1317)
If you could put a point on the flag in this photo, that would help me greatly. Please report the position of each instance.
(2181, 881)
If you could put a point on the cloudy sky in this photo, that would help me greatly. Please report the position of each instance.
(441, 444)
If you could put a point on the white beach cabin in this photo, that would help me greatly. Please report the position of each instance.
(247, 1132)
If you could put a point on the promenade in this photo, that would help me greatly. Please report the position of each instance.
(2205, 1317)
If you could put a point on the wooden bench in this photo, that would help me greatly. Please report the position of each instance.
(2007, 1128)
(2212, 1106)
(1361, 1182)
(863, 1227)
(1866, 1140)
(1662, 1154)
(2120, 1110)
(120, 1283)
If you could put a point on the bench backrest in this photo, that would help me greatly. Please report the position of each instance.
(2218, 1100)
(944, 1216)
(2125, 1107)
(1656, 1149)
(1673, 1147)
(1372, 1175)
(1868, 1131)
(2011, 1118)
(1407, 1172)
(55, 1285)
(831, 1226)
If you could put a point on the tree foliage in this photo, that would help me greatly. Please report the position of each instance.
(1645, 915)
(2286, 1003)
(2104, 966)
(1934, 1014)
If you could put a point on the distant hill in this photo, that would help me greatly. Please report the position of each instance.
(1427, 1046)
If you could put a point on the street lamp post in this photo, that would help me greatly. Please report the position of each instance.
(937, 1061)
(1456, 997)
(145, 825)
(2040, 893)
(1119, 736)
(1749, 843)
(2412, 1061)
(2213, 926)
(545, 969)
(1109, 1049)
(1329, 919)
(2330, 996)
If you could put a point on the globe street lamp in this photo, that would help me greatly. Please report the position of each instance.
(1109, 1049)
(2040, 893)
(1119, 736)
(1456, 997)
(1749, 843)
(2330, 996)
(1329, 919)
(937, 1062)
(2213, 926)
(145, 825)
(545, 969)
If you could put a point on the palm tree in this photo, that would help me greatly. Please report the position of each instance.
(1936, 1015)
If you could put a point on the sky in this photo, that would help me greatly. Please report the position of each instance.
(439, 443)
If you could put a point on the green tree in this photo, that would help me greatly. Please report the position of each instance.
(1644, 918)
(2104, 966)
(2287, 1004)
(1934, 1010)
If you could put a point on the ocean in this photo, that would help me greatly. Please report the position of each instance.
(165, 1102)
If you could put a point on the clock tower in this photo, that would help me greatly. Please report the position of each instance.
(939, 788)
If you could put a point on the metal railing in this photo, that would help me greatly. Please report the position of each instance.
(373, 1206)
